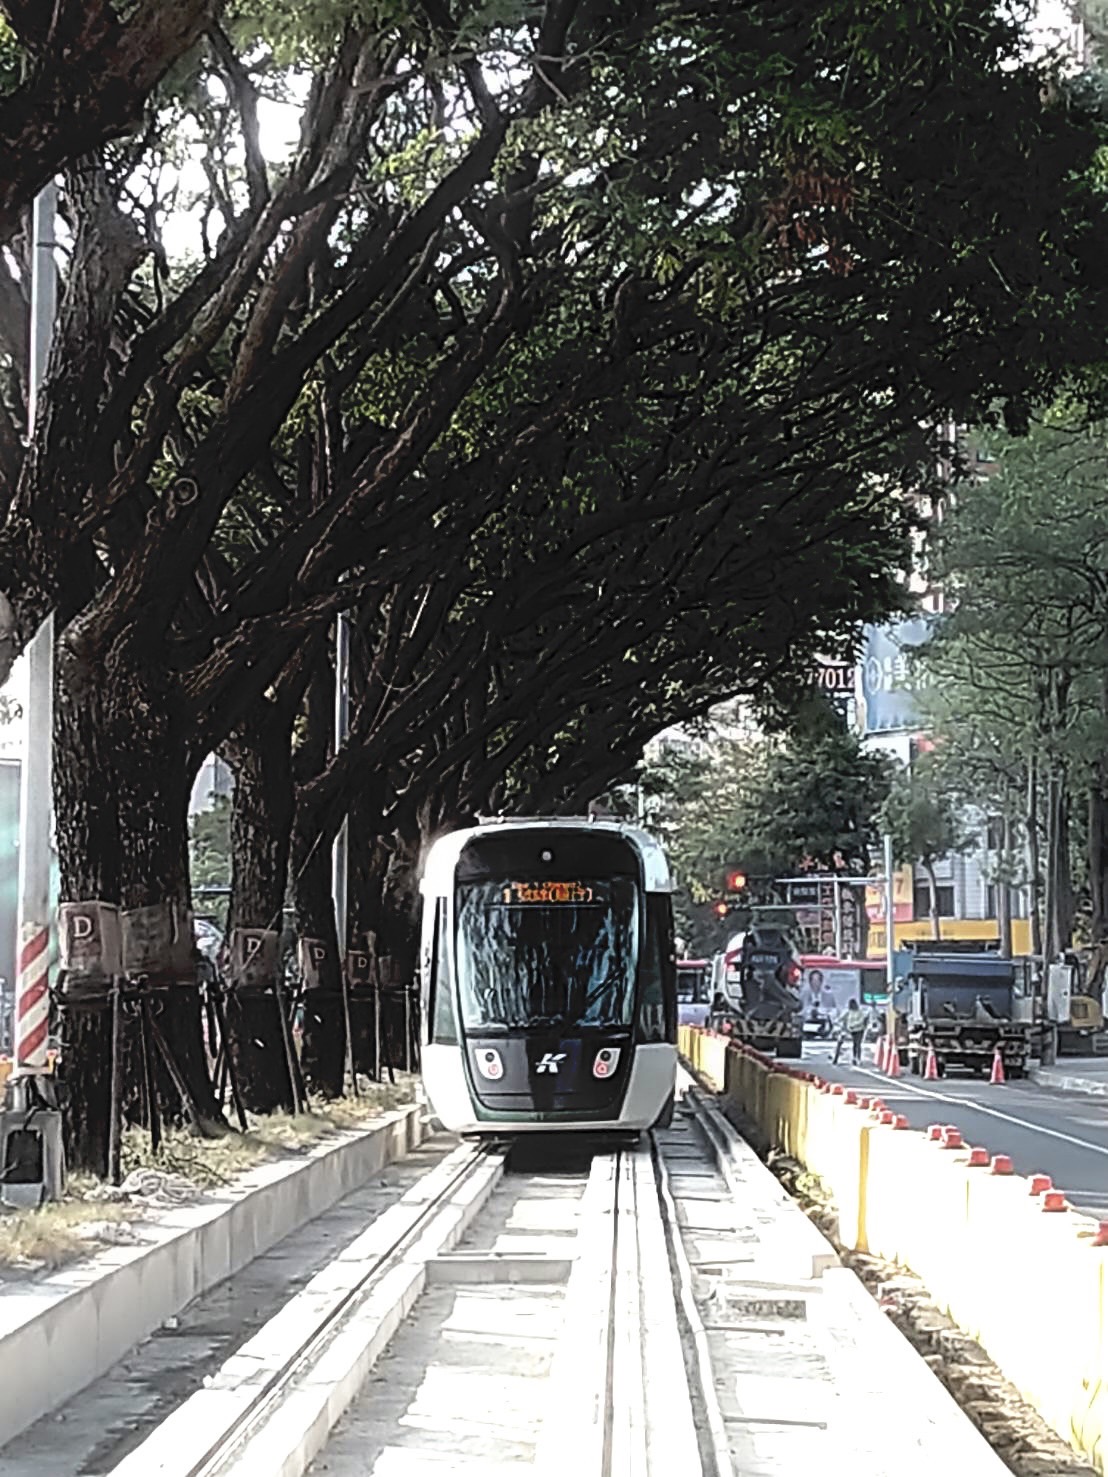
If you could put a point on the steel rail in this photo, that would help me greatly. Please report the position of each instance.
(229, 1439)
(714, 1443)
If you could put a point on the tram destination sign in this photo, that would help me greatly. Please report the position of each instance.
(547, 893)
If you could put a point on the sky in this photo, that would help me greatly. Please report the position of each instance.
(1055, 21)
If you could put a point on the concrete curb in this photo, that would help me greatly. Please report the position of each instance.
(1068, 1082)
(971, 1237)
(956, 1441)
(61, 1333)
(805, 1251)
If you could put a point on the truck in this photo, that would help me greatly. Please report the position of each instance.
(964, 1007)
(756, 986)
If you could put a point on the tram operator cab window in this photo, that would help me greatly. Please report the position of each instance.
(658, 983)
(442, 1027)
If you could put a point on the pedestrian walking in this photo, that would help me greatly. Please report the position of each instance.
(855, 1023)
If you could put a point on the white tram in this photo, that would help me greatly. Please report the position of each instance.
(548, 978)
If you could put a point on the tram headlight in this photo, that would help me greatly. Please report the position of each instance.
(606, 1061)
(489, 1064)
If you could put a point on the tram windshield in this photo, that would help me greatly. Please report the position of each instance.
(547, 955)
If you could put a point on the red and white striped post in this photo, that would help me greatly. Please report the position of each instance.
(32, 1001)
(32, 1018)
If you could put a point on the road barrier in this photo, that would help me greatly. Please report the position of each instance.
(1002, 1254)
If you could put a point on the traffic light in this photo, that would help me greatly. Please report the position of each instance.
(722, 910)
(736, 881)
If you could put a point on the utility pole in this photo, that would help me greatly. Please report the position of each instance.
(890, 918)
(890, 914)
(32, 1004)
(340, 854)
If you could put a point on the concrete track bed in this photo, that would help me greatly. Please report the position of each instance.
(61, 1332)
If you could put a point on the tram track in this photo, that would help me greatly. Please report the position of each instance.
(545, 1306)
(554, 1271)
(220, 1424)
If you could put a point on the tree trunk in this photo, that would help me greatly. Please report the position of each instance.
(395, 941)
(87, 830)
(370, 854)
(1034, 860)
(324, 1017)
(121, 801)
(933, 899)
(1060, 901)
(394, 935)
(261, 821)
(1004, 884)
(324, 1049)
(1098, 854)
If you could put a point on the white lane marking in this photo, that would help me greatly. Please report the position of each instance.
(961, 1102)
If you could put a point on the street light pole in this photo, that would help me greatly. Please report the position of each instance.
(32, 1003)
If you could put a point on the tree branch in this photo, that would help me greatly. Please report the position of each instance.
(91, 78)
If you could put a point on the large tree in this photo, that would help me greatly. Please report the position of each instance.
(686, 280)
(1018, 668)
(804, 802)
(926, 822)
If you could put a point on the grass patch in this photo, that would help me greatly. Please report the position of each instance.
(42, 1240)
(47, 1238)
(212, 1163)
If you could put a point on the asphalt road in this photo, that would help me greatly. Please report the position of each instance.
(1043, 1129)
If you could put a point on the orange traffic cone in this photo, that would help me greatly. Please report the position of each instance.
(996, 1076)
(882, 1053)
(931, 1071)
(892, 1064)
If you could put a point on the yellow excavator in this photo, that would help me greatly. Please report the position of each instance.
(1074, 1006)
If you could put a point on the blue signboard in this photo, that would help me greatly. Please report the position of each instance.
(888, 682)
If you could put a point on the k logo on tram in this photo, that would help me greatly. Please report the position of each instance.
(549, 1060)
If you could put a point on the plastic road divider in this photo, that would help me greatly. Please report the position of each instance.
(1010, 1262)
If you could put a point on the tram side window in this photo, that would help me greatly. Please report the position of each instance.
(658, 984)
(440, 1006)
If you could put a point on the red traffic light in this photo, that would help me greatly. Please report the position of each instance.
(736, 881)
(721, 910)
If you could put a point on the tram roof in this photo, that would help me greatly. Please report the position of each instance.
(442, 856)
